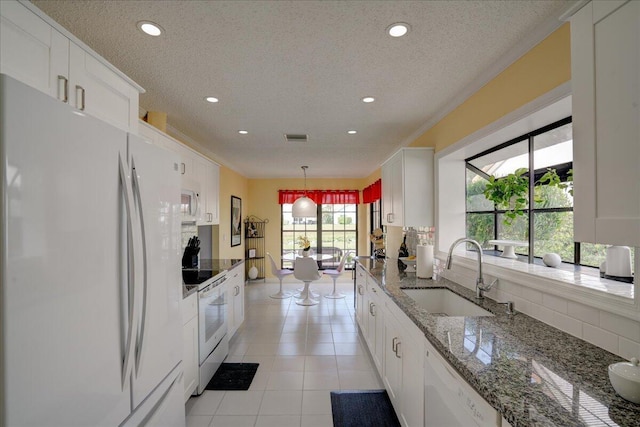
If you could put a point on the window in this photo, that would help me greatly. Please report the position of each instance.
(375, 212)
(547, 220)
(332, 233)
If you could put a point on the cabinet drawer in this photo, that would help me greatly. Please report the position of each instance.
(189, 307)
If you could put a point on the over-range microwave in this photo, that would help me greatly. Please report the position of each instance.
(190, 205)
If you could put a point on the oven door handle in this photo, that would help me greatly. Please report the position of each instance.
(208, 293)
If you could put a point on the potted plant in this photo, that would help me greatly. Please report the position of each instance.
(510, 192)
(305, 244)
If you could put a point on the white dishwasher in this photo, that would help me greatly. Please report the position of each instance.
(448, 400)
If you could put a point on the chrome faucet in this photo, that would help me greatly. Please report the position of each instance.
(481, 287)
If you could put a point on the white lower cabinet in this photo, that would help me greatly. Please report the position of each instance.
(424, 388)
(235, 286)
(403, 366)
(190, 344)
(361, 290)
(449, 400)
(374, 306)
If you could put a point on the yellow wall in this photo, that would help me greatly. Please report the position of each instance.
(231, 183)
(540, 70)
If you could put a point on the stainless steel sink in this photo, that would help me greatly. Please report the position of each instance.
(443, 301)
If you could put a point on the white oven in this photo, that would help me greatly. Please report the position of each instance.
(213, 343)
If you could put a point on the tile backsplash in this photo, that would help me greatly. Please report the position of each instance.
(188, 231)
(605, 329)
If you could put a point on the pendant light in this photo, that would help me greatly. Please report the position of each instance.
(304, 207)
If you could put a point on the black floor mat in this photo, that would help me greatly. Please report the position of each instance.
(233, 376)
(362, 408)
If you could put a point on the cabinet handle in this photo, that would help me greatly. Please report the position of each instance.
(237, 289)
(65, 89)
(360, 290)
(209, 217)
(393, 344)
(398, 348)
(370, 308)
(82, 99)
(184, 168)
(389, 217)
(373, 309)
(374, 290)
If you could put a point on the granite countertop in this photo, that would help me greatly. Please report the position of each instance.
(531, 373)
(213, 267)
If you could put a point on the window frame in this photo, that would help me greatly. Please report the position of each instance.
(318, 231)
(529, 212)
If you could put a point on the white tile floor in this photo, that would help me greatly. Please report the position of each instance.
(303, 352)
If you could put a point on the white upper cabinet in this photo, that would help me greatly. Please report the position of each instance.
(605, 68)
(407, 188)
(198, 174)
(209, 177)
(36, 51)
(31, 50)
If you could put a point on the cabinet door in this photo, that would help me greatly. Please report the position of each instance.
(375, 326)
(361, 288)
(392, 208)
(190, 356)
(606, 103)
(412, 394)
(235, 314)
(393, 360)
(238, 298)
(96, 89)
(32, 51)
(209, 177)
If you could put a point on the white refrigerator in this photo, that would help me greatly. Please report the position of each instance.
(90, 264)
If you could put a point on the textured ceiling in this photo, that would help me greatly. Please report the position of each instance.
(302, 67)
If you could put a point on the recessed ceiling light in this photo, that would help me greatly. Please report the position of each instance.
(211, 99)
(150, 28)
(243, 132)
(368, 99)
(352, 132)
(398, 29)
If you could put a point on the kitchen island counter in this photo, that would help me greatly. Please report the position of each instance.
(531, 373)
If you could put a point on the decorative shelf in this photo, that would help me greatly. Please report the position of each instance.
(254, 232)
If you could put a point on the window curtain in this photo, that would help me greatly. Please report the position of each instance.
(373, 192)
(321, 197)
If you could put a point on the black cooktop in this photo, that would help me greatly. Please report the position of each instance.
(195, 276)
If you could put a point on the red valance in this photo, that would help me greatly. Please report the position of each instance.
(372, 192)
(321, 197)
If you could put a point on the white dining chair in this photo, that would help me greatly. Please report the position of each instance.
(306, 269)
(334, 274)
(280, 273)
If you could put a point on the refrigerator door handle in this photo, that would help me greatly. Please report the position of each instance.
(143, 316)
(131, 275)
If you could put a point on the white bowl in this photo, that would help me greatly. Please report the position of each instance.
(625, 379)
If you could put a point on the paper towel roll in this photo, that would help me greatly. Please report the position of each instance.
(424, 261)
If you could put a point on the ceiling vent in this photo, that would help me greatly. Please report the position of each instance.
(296, 137)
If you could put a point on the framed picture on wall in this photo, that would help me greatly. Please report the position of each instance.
(236, 220)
